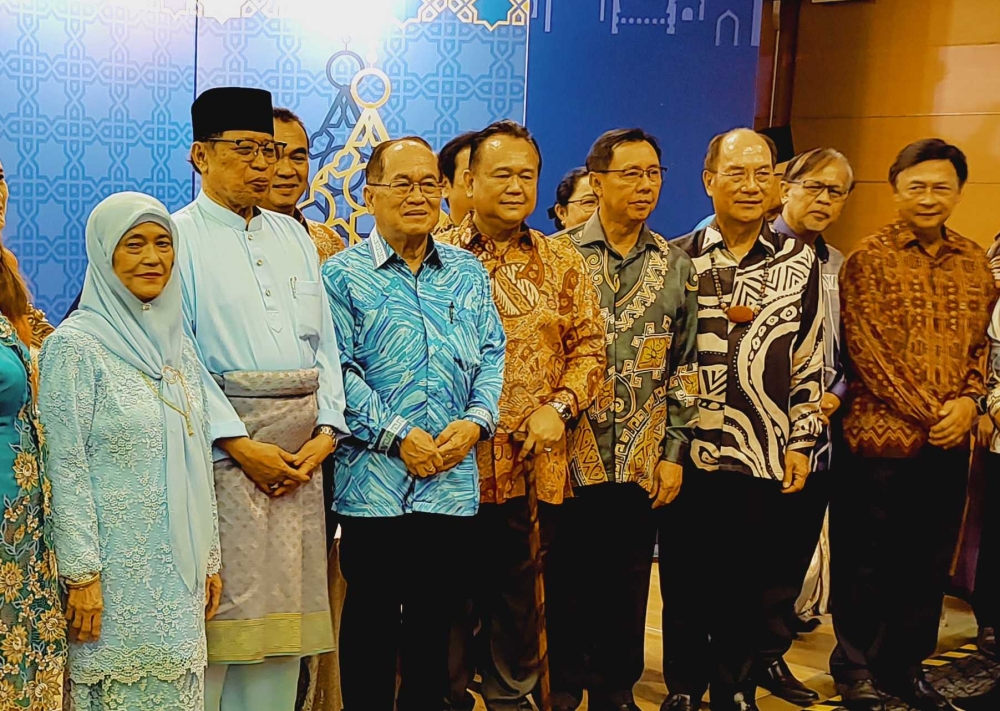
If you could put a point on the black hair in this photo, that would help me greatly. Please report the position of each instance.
(289, 116)
(505, 127)
(603, 150)
(449, 154)
(929, 149)
(564, 191)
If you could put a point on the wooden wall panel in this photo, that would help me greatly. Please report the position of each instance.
(874, 75)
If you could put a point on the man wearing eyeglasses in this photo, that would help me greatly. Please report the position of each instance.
(256, 310)
(628, 450)
(555, 362)
(814, 189)
(917, 300)
(723, 542)
(423, 356)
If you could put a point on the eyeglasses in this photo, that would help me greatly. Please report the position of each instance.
(634, 175)
(248, 149)
(740, 178)
(590, 201)
(400, 189)
(814, 189)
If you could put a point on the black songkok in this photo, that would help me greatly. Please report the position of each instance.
(231, 108)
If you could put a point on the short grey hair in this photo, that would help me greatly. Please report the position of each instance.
(805, 163)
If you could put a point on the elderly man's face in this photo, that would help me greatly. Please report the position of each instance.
(4, 192)
(816, 199)
(290, 176)
(927, 193)
(741, 184)
(504, 180)
(236, 167)
(626, 191)
(407, 201)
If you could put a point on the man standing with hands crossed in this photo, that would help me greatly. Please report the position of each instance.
(423, 360)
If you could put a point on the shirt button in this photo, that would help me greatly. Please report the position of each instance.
(145, 307)
(250, 237)
(267, 293)
(260, 262)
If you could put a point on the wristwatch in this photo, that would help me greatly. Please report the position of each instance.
(327, 430)
(565, 414)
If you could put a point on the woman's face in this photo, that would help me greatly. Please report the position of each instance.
(144, 260)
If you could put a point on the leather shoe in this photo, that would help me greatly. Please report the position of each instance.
(680, 702)
(779, 680)
(920, 694)
(860, 695)
(986, 641)
(990, 701)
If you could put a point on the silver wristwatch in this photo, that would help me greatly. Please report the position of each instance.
(563, 409)
(327, 430)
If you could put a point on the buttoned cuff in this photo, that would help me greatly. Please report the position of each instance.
(675, 451)
(484, 418)
(394, 433)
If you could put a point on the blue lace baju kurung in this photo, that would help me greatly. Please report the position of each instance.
(104, 428)
(32, 630)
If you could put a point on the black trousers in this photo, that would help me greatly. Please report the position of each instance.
(987, 591)
(505, 599)
(599, 589)
(723, 549)
(806, 513)
(894, 524)
(404, 579)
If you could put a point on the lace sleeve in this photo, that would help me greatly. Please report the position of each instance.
(215, 553)
(67, 398)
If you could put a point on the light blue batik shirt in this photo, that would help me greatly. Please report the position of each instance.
(418, 350)
(254, 302)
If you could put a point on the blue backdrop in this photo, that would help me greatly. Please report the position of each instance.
(95, 94)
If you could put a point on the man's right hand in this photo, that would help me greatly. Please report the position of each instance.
(268, 466)
(420, 454)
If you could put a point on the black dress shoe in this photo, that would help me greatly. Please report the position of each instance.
(779, 680)
(990, 701)
(860, 696)
(680, 702)
(920, 694)
(986, 641)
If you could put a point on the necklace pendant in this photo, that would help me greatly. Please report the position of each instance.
(740, 314)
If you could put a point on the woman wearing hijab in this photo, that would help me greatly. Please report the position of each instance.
(32, 630)
(135, 525)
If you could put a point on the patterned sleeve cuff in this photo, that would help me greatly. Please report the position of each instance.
(675, 450)
(396, 431)
(568, 399)
(484, 418)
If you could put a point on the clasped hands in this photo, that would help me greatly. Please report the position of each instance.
(426, 456)
(952, 430)
(273, 470)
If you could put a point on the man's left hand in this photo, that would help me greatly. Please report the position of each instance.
(796, 472)
(544, 429)
(456, 441)
(667, 480)
(310, 457)
(952, 430)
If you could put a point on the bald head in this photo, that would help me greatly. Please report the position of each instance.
(404, 188)
(739, 175)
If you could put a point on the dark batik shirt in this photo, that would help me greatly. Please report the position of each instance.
(647, 405)
(762, 381)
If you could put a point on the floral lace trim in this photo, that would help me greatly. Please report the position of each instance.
(128, 666)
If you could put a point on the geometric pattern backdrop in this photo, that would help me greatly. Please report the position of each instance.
(95, 95)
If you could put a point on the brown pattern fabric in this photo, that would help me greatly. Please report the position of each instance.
(555, 350)
(915, 329)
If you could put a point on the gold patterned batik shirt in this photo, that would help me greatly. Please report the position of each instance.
(326, 239)
(555, 350)
(648, 403)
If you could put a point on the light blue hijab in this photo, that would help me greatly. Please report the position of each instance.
(150, 338)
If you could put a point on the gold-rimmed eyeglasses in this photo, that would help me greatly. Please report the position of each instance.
(248, 149)
(401, 188)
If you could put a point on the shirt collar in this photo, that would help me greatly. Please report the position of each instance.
(712, 239)
(382, 253)
(469, 234)
(300, 218)
(593, 233)
(226, 216)
(903, 237)
(819, 244)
